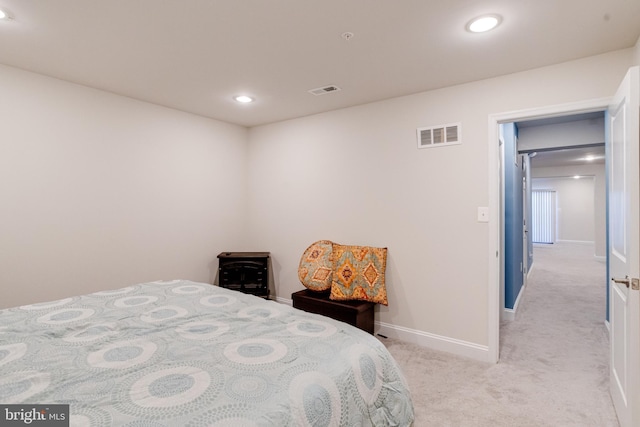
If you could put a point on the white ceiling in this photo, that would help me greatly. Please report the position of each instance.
(195, 55)
(561, 119)
(568, 157)
(563, 156)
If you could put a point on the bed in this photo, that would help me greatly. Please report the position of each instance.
(183, 353)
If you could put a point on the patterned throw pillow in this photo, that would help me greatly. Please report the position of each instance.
(315, 270)
(358, 273)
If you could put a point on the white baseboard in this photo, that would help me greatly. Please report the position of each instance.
(286, 301)
(425, 339)
(580, 242)
(434, 342)
(510, 313)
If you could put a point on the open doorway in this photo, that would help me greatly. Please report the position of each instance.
(498, 160)
(564, 159)
(556, 323)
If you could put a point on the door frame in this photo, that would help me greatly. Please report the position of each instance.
(496, 245)
(526, 225)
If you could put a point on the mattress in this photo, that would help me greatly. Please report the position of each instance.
(183, 353)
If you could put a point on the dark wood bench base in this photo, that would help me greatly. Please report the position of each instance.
(357, 313)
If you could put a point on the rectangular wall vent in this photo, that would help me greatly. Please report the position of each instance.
(324, 90)
(439, 136)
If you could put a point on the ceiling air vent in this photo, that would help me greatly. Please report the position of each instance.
(439, 136)
(324, 90)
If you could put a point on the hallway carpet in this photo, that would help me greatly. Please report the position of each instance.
(553, 368)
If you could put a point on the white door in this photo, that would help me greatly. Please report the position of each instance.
(525, 225)
(624, 251)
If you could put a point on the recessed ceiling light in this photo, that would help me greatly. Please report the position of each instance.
(244, 99)
(484, 23)
(3, 14)
(576, 177)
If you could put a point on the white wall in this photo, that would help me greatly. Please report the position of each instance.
(574, 207)
(355, 176)
(564, 135)
(591, 206)
(578, 132)
(99, 191)
(636, 53)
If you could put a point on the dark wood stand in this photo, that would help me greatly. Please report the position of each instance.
(247, 272)
(357, 313)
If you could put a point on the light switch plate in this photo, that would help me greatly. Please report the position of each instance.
(483, 214)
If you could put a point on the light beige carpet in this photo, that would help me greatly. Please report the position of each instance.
(553, 368)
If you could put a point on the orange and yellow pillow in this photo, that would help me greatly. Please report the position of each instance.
(351, 272)
(316, 269)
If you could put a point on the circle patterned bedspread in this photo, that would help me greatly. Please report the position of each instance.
(183, 353)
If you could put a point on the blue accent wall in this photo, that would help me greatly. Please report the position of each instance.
(513, 216)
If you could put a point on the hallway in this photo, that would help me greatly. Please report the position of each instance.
(559, 336)
(554, 360)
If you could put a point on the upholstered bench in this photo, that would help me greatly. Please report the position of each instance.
(357, 313)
